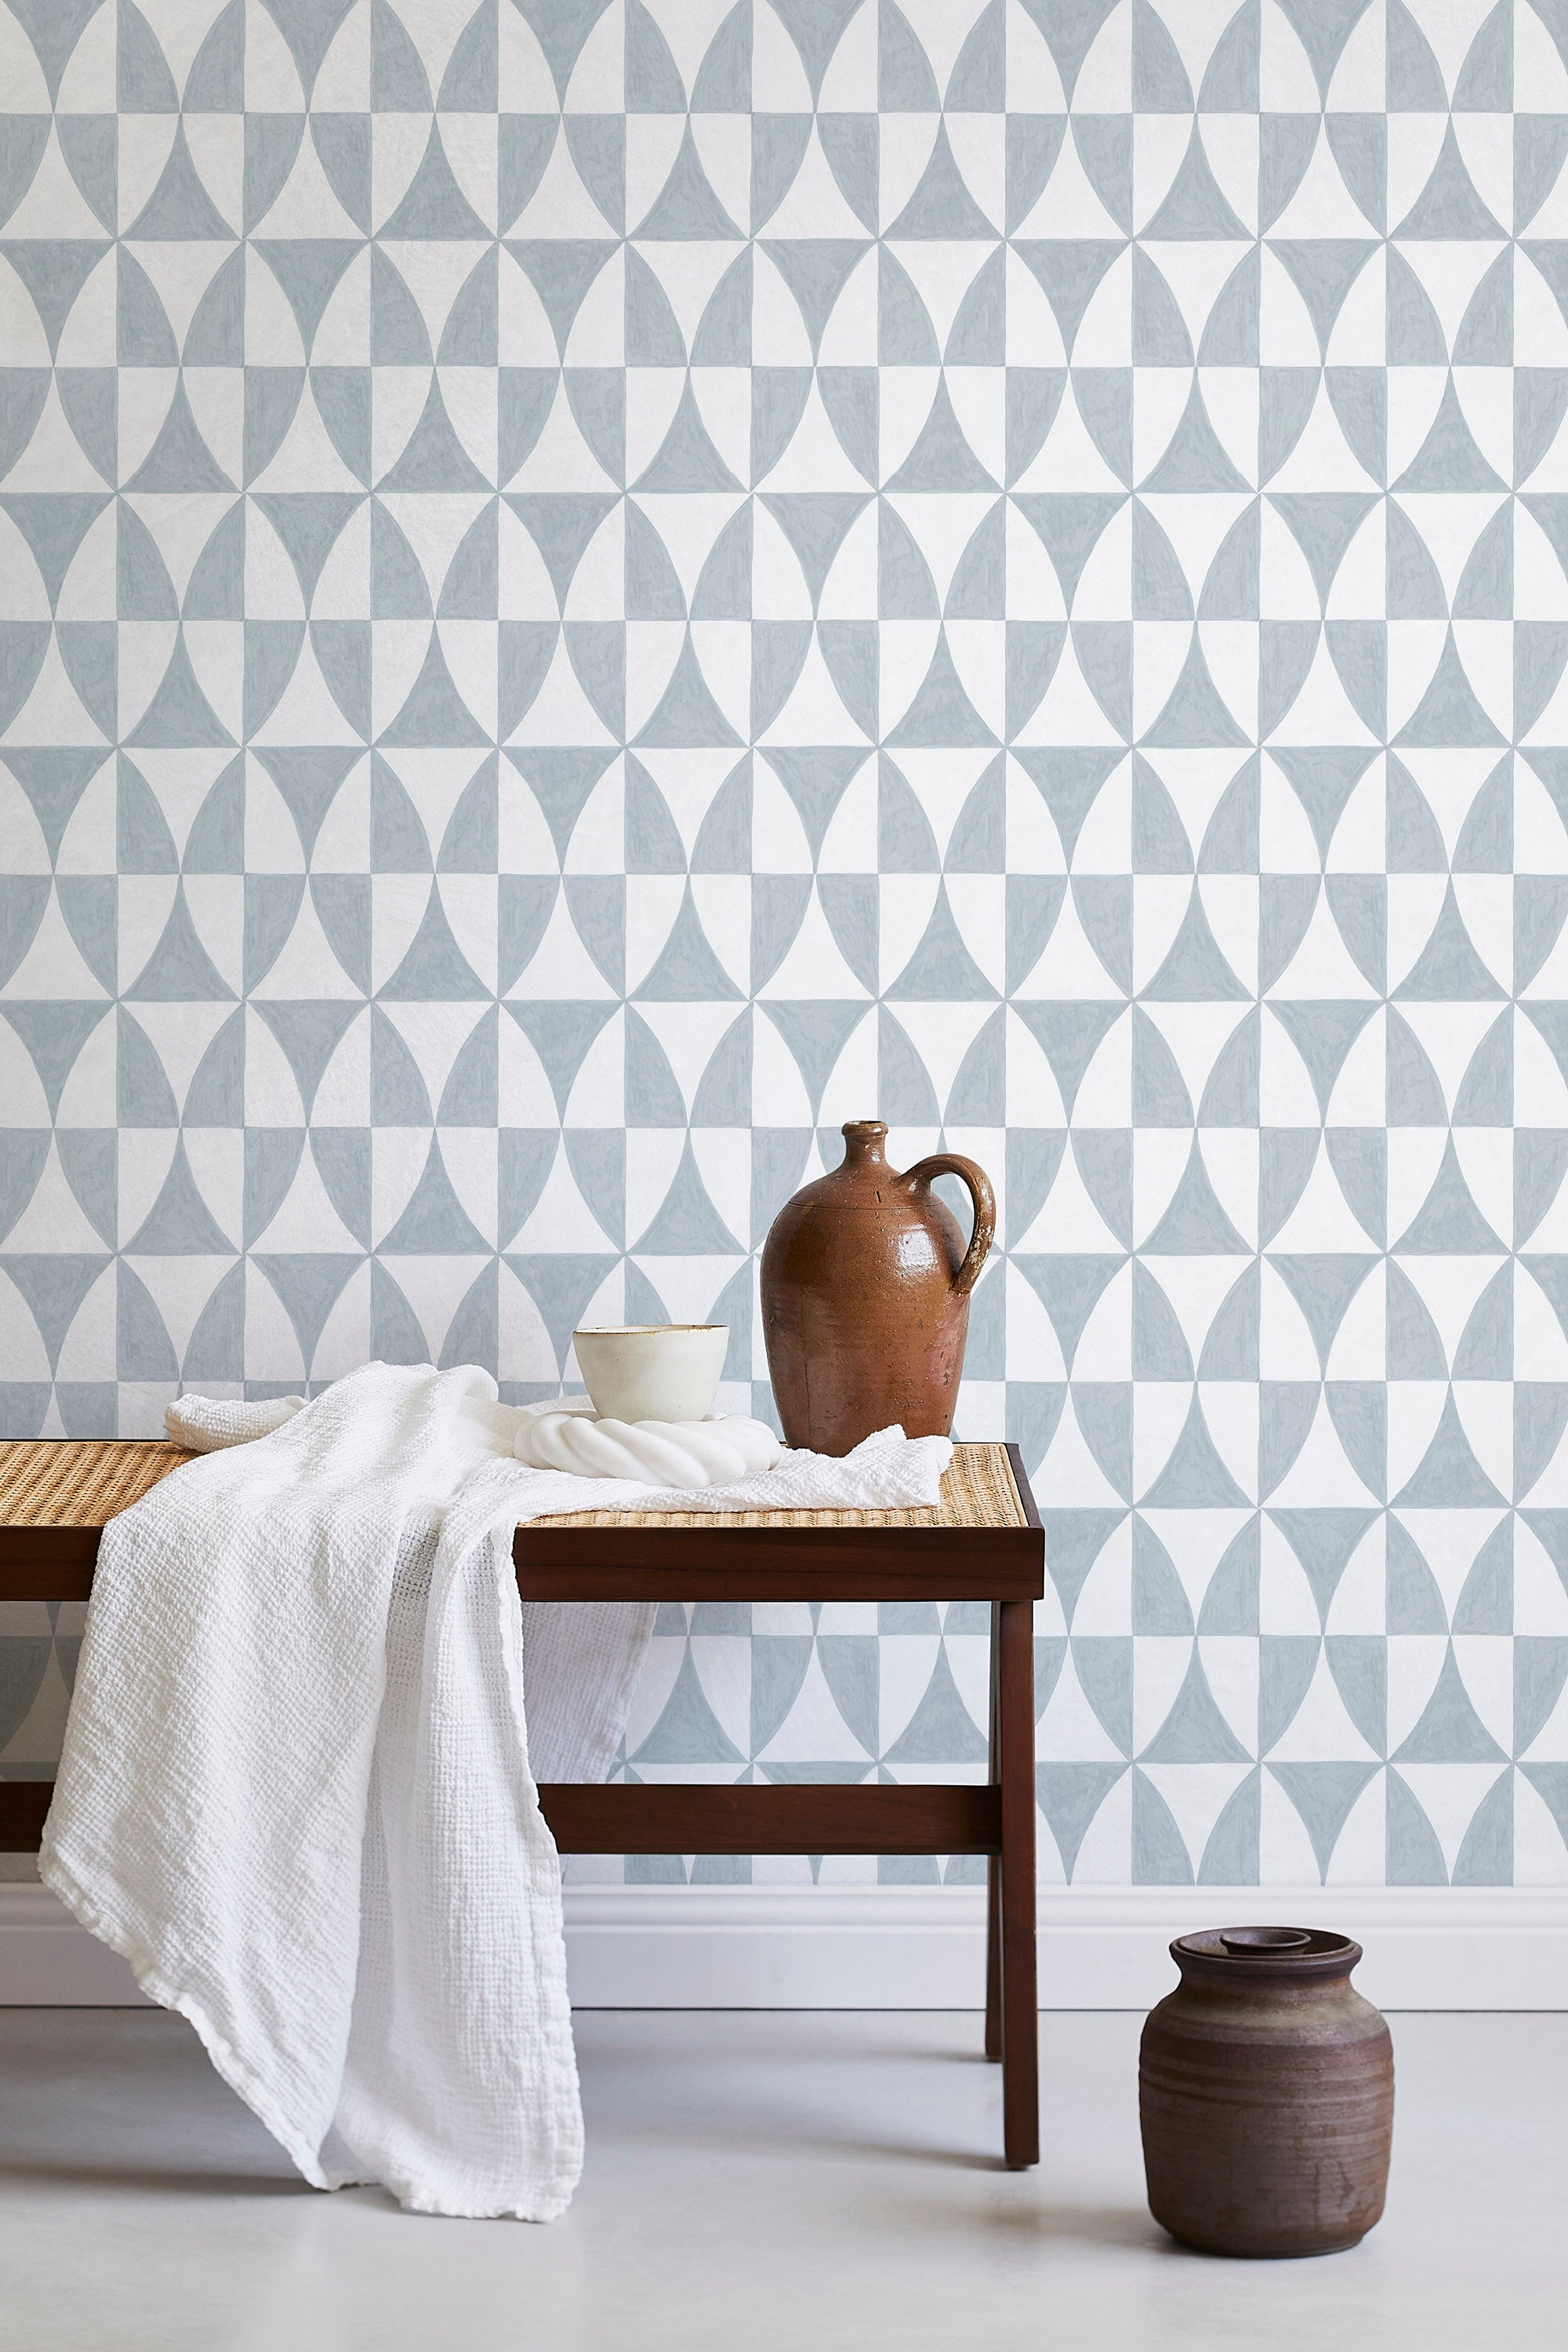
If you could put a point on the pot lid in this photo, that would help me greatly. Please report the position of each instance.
(1271, 1952)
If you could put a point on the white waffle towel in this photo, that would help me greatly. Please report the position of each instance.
(296, 1789)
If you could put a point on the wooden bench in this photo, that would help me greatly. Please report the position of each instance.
(982, 1542)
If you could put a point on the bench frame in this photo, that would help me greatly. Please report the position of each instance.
(1002, 1565)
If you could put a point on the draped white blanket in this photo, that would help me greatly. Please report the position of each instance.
(296, 1789)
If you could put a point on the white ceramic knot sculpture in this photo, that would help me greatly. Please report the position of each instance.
(655, 1452)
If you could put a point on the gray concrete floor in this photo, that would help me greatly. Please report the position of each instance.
(759, 2183)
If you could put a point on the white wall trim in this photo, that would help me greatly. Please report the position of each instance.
(921, 1948)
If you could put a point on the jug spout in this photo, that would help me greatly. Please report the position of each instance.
(864, 1139)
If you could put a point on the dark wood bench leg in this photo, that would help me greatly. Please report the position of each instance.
(1020, 1996)
(993, 1874)
(993, 1958)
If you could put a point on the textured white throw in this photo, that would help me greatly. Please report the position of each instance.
(205, 1425)
(296, 1789)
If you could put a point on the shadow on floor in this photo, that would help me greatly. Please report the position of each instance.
(1029, 2222)
(21, 2170)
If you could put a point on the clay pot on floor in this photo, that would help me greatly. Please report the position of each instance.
(866, 1284)
(1265, 2093)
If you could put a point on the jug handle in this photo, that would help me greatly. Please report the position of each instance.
(949, 1163)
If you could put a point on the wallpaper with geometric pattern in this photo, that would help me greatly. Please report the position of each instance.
(591, 588)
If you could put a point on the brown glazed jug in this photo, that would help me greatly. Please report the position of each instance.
(866, 1284)
(1266, 2094)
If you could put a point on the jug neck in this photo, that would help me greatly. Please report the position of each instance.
(863, 1141)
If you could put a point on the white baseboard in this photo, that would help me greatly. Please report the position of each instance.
(922, 1947)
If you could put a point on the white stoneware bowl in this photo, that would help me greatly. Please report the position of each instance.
(653, 1371)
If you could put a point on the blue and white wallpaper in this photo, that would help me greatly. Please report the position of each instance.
(593, 587)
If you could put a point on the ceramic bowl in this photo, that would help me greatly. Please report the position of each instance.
(653, 1371)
